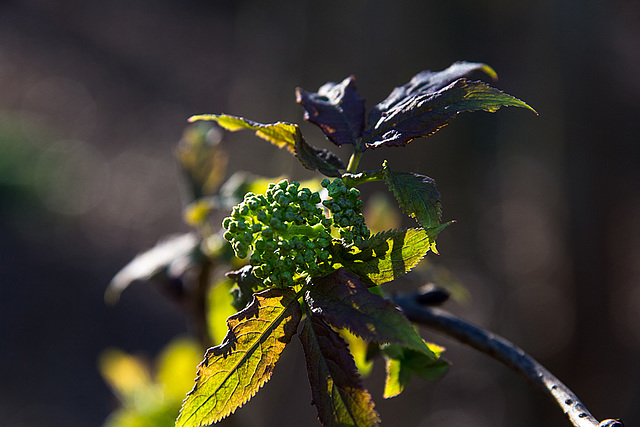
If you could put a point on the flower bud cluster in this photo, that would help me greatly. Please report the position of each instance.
(286, 232)
(346, 211)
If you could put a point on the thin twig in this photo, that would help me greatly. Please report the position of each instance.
(505, 352)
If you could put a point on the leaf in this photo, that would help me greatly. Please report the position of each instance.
(343, 301)
(402, 363)
(246, 284)
(423, 113)
(416, 194)
(283, 135)
(388, 255)
(125, 374)
(337, 109)
(155, 265)
(219, 308)
(428, 82)
(202, 159)
(175, 368)
(337, 390)
(359, 349)
(234, 371)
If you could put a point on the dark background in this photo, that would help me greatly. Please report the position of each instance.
(94, 96)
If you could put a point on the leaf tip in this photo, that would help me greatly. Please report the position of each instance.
(489, 71)
(199, 117)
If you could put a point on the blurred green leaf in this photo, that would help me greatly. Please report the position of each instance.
(202, 159)
(283, 135)
(234, 371)
(147, 400)
(381, 213)
(336, 388)
(219, 308)
(125, 374)
(337, 109)
(175, 367)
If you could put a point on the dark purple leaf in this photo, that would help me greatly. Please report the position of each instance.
(338, 393)
(428, 82)
(337, 109)
(343, 301)
(423, 113)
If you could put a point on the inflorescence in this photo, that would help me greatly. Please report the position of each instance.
(286, 230)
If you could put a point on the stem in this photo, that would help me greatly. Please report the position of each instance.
(505, 352)
(303, 230)
(200, 304)
(354, 161)
(352, 180)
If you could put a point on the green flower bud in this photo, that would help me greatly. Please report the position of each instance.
(226, 222)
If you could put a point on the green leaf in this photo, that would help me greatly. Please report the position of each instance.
(341, 300)
(337, 109)
(416, 194)
(283, 135)
(386, 256)
(175, 368)
(336, 388)
(219, 308)
(232, 372)
(403, 362)
(424, 113)
(202, 159)
(359, 349)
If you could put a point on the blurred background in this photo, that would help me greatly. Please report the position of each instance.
(95, 95)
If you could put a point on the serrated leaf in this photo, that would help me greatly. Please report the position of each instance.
(428, 82)
(246, 284)
(424, 113)
(388, 255)
(417, 195)
(234, 371)
(337, 390)
(337, 109)
(283, 135)
(402, 363)
(359, 349)
(341, 300)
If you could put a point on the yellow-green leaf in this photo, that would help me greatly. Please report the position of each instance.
(386, 256)
(234, 371)
(402, 362)
(283, 135)
(202, 158)
(175, 367)
(219, 308)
